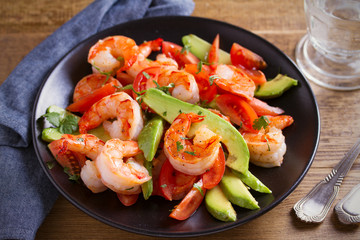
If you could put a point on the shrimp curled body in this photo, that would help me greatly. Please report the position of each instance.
(112, 54)
(267, 147)
(121, 106)
(193, 158)
(117, 174)
(90, 146)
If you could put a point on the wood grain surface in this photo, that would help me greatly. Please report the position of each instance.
(24, 24)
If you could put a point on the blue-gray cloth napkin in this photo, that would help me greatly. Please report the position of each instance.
(26, 195)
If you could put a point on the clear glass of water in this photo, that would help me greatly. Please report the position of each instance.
(329, 54)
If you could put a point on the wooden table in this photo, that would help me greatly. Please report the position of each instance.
(24, 25)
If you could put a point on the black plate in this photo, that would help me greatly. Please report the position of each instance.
(151, 217)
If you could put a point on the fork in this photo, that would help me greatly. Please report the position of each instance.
(316, 204)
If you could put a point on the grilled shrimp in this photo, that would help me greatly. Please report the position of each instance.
(121, 106)
(185, 89)
(112, 54)
(195, 157)
(117, 174)
(267, 147)
(91, 82)
(90, 146)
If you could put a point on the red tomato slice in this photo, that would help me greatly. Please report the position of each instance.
(175, 52)
(174, 184)
(241, 56)
(86, 102)
(207, 93)
(257, 76)
(67, 159)
(262, 108)
(127, 200)
(239, 111)
(190, 203)
(213, 57)
(212, 177)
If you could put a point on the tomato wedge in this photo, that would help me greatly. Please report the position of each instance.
(86, 102)
(239, 111)
(207, 92)
(213, 57)
(190, 203)
(177, 53)
(257, 76)
(127, 200)
(213, 176)
(174, 185)
(241, 56)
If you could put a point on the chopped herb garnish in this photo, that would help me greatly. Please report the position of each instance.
(165, 89)
(180, 111)
(129, 188)
(163, 186)
(50, 164)
(179, 146)
(185, 49)
(212, 78)
(127, 87)
(267, 141)
(73, 177)
(146, 75)
(261, 122)
(200, 112)
(199, 67)
(184, 138)
(191, 153)
(164, 113)
(80, 139)
(198, 187)
(107, 74)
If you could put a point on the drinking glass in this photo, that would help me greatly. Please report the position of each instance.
(329, 54)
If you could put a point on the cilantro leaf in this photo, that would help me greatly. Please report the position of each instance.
(69, 124)
(53, 118)
(212, 78)
(191, 153)
(179, 146)
(261, 122)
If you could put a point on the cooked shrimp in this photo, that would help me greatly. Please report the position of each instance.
(121, 176)
(90, 146)
(142, 62)
(190, 158)
(185, 89)
(86, 144)
(91, 82)
(112, 54)
(280, 121)
(121, 106)
(236, 82)
(91, 177)
(267, 147)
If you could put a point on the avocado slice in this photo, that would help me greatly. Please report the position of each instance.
(219, 206)
(200, 48)
(150, 136)
(253, 182)
(236, 191)
(169, 108)
(275, 87)
(148, 140)
(51, 134)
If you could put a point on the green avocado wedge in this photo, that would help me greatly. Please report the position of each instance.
(200, 48)
(219, 206)
(150, 136)
(253, 182)
(237, 192)
(275, 87)
(169, 108)
(148, 140)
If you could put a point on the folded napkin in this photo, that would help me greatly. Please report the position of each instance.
(26, 195)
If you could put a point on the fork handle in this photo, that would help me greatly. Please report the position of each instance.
(316, 204)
